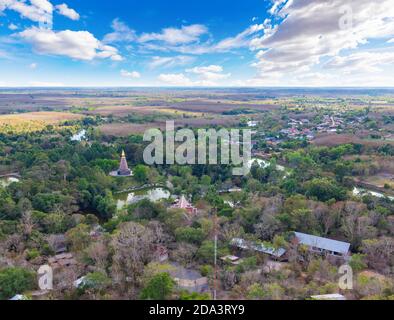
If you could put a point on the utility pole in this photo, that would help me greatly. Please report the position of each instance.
(215, 230)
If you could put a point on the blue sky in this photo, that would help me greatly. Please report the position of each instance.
(196, 43)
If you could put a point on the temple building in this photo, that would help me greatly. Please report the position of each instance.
(183, 204)
(123, 170)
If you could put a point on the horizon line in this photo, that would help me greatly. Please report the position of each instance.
(195, 87)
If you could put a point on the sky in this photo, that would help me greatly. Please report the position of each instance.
(197, 43)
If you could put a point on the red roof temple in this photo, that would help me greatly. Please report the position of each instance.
(182, 203)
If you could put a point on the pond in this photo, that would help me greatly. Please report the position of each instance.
(153, 195)
(361, 192)
(5, 182)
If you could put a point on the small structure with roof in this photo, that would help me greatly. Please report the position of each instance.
(62, 260)
(19, 297)
(278, 254)
(79, 283)
(123, 170)
(183, 204)
(335, 296)
(323, 246)
(234, 260)
(188, 279)
(58, 243)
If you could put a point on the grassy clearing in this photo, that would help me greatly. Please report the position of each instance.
(34, 121)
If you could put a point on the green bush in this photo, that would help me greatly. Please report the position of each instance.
(160, 287)
(15, 281)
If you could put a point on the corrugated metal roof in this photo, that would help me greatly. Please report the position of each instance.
(323, 243)
(335, 296)
(243, 244)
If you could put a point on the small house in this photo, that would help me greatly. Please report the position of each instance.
(333, 297)
(234, 260)
(62, 260)
(323, 246)
(188, 279)
(277, 254)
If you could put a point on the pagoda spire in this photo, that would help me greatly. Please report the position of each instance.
(123, 167)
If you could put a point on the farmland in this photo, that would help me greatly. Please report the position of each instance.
(34, 121)
(324, 166)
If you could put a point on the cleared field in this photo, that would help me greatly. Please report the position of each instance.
(34, 121)
(126, 129)
(331, 140)
(123, 111)
(28, 102)
(48, 117)
(206, 106)
(380, 180)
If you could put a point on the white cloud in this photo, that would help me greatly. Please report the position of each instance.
(276, 6)
(195, 47)
(12, 27)
(211, 73)
(174, 36)
(175, 79)
(33, 66)
(37, 10)
(310, 30)
(206, 77)
(391, 41)
(203, 70)
(130, 74)
(361, 62)
(121, 33)
(64, 10)
(170, 62)
(81, 45)
(239, 41)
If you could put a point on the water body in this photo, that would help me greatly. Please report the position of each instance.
(81, 135)
(358, 192)
(153, 195)
(5, 182)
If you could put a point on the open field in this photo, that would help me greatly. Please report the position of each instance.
(380, 180)
(123, 111)
(125, 129)
(34, 121)
(333, 139)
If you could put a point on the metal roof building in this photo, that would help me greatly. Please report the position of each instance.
(332, 246)
(259, 247)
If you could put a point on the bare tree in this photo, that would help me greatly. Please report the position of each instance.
(27, 224)
(158, 232)
(380, 253)
(98, 252)
(132, 247)
(184, 253)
